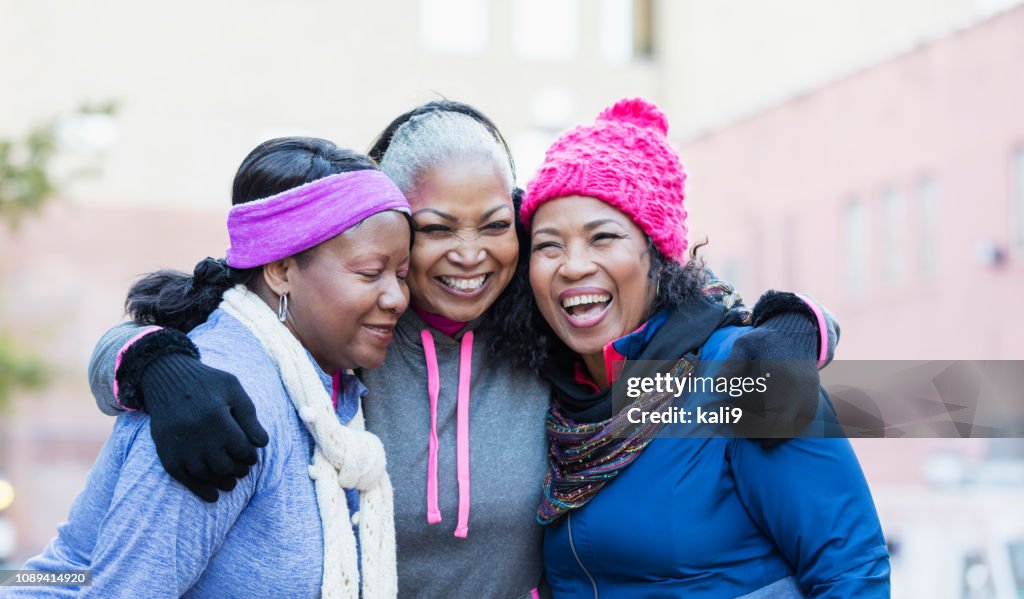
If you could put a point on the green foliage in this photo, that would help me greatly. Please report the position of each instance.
(25, 181)
(26, 184)
(19, 369)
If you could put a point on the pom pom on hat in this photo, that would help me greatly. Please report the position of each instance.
(637, 111)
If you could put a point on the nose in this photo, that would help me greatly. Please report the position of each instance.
(467, 254)
(394, 297)
(577, 265)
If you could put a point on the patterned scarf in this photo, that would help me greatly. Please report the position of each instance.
(584, 457)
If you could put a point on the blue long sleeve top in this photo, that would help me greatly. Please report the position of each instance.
(144, 534)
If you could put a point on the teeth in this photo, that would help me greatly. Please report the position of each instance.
(577, 300)
(464, 284)
(378, 329)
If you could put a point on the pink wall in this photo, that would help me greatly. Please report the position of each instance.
(953, 110)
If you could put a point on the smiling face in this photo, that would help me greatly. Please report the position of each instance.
(465, 249)
(347, 294)
(589, 268)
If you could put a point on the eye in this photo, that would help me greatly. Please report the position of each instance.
(433, 229)
(372, 275)
(544, 245)
(605, 236)
(496, 226)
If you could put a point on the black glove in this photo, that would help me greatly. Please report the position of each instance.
(784, 342)
(203, 423)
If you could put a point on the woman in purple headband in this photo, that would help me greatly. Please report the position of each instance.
(312, 287)
(461, 419)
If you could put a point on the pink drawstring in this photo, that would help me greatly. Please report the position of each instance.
(433, 388)
(461, 430)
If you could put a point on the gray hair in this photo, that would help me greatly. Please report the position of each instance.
(428, 140)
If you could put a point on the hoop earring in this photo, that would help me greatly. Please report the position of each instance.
(282, 307)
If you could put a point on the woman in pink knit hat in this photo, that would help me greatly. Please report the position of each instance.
(644, 507)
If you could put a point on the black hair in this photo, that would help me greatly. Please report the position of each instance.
(521, 334)
(180, 301)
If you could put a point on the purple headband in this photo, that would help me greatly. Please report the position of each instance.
(295, 220)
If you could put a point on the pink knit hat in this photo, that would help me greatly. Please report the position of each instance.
(623, 159)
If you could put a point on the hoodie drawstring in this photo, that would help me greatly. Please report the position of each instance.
(433, 387)
(462, 433)
(461, 430)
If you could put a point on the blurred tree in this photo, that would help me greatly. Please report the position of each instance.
(25, 185)
(25, 181)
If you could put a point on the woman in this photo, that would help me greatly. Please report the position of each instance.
(636, 511)
(312, 287)
(461, 414)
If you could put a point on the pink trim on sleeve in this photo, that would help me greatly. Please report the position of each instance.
(120, 355)
(822, 330)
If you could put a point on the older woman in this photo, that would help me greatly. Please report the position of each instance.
(312, 287)
(637, 511)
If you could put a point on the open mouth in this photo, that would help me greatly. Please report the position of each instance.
(380, 331)
(585, 308)
(464, 285)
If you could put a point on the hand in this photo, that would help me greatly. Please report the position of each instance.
(203, 423)
(784, 345)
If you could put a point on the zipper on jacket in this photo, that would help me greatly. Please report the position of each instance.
(572, 545)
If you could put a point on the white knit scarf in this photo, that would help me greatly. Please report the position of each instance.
(345, 457)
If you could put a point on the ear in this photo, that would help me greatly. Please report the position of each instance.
(275, 275)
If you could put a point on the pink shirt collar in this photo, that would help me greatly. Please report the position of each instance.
(442, 323)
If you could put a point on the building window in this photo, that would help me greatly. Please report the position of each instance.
(627, 30)
(928, 226)
(894, 216)
(545, 29)
(454, 26)
(1018, 195)
(855, 243)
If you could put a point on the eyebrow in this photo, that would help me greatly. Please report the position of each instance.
(597, 223)
(587, 227)
(491, 212)
(545, 231)
(370, 256)
(453, 218)
(443, 215)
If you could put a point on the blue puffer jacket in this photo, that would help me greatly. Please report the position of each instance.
(725, 517)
